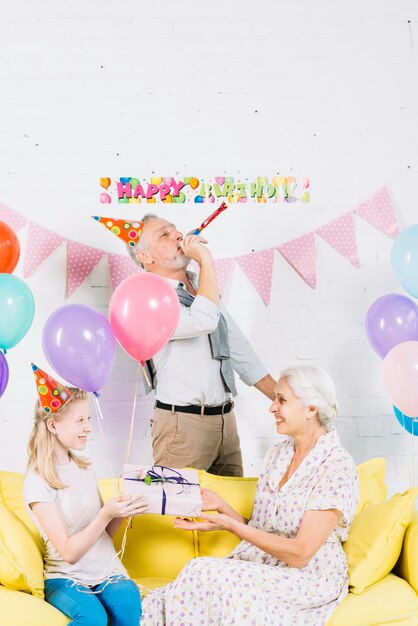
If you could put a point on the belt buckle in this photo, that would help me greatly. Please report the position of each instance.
(224, 405)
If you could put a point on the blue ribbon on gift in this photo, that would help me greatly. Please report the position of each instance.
(154, 476)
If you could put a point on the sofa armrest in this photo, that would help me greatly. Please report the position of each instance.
(407, 565)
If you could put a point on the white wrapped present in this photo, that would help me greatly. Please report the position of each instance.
(169, 491)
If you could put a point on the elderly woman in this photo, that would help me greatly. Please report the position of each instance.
(289, 568)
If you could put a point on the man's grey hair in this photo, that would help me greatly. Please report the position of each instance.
(132, 250)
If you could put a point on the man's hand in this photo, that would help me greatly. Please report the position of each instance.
(194, 248)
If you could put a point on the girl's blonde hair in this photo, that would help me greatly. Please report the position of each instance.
(41, 447)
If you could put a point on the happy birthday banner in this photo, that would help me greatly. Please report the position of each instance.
(129, 190)
(300, 252)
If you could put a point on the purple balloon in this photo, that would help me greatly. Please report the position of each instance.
(80, 345)
(4, 373)
(391, 320)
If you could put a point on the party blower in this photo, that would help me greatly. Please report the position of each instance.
(209, 219)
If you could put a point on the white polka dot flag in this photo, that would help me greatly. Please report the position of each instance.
(340, 234)
(378, 210)
(40, 245)
(121, 266)
(12, 218)
(81, 261)
(258, 267)
(301, 254)
(223, 270)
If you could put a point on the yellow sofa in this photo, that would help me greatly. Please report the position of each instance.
(155, 552)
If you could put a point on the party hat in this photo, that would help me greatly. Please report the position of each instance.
(129, 232)
(52, 395)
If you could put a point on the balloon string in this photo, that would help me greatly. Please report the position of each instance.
(128, 451)
(409, 460)
(413, 454)
(99, 421)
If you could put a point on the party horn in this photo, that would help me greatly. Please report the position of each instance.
(210, 219)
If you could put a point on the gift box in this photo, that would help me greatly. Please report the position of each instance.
(169, 491)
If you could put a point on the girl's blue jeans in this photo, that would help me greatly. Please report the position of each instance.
(117, 604)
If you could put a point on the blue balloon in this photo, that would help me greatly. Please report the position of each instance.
(406, 422)
(404, 259)
(17, 308)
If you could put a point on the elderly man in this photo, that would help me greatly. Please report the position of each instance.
(193, 423)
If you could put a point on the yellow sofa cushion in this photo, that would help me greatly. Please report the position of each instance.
(11, 494)
(239, 493)
(21, 562)
(372, 482)
(375, 539)
(391, 602)
(22, 609)
(407, 566)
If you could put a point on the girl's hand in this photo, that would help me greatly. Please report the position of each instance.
(212, 522)
(126, 506)
(211, 501)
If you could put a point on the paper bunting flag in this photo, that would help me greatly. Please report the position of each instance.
(223, 270)
(301, 254)
(12, 218)
(81, 261)
(378, 210)
(121, 267)
(258, 267)
(340, 234)
(40, 245)
(52, 395)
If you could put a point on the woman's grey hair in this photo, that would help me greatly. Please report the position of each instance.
(132, 250)
(314, 387)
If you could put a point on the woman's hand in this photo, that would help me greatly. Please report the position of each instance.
(211, 501)
(212, 522)
(126, 506)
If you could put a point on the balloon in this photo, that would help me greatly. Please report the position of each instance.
(105, 182)
(9, 248)
(392, 319)
(79, 344)
(406, 422)
(400, 377)
(105, 198)
(404, 258)
(144, 311)
(4, 374)
(17, 308)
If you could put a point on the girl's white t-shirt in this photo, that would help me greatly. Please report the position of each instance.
(79, 504)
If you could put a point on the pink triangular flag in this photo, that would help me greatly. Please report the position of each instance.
(301, 254)
(40, 245)
(81, 261)
(12, 218)
(378, 210)
(258, 267)
(121, 267)
(223, 269)
(340, 234)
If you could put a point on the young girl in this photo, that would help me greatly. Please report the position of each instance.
(84, 578)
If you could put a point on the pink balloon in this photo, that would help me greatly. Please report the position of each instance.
(144, 312)
(400, 377)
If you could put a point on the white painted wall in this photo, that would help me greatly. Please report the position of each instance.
(316, 88)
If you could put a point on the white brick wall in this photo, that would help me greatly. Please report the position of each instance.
(320, 89)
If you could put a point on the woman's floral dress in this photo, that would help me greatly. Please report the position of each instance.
(253, 588)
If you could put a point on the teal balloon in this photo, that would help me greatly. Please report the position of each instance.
(17, 308)
(410, 425)
(404, 258)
